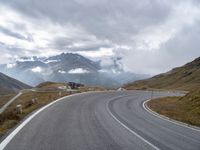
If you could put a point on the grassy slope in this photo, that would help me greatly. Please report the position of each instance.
(10, 117)
(55, 86)
(4, 91)
(50, 85)
(186, 77)
(10, 85)
(186, 108)
(5, 98)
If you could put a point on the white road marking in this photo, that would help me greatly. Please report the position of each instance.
(168, 119)
(133, 132)
(5, 142)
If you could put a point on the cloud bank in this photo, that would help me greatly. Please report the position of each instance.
(149, 36)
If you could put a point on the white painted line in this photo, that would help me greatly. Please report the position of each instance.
(133, 132)
(5, 142)
(168, 119)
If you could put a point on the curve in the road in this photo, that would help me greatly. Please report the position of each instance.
(195, 128)
(101, 120)
(126, 127)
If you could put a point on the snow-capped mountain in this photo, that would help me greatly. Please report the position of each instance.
(66, 67)
(69, 62)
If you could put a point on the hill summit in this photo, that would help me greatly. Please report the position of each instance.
(186, 77)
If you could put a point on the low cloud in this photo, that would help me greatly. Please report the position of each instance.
(37, 69)
(78, 71)
(148, 36)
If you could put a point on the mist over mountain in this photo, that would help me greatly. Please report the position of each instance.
(68, 67)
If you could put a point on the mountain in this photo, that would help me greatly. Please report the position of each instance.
(67, 67)
(186, 77)
(69, 61)
(10, 85)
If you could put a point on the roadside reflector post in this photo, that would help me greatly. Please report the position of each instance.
(60, 94)
(19, 109)
(33, 101)
(151, 94)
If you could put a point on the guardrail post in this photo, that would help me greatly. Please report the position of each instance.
(19, 109)
(34, 101)
(151, 94)
(60, 94)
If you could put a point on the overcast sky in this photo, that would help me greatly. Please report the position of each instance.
(151, 36)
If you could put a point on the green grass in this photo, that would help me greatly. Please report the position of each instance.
(185, 109)
(47, 85)
(9, 118)
(6, 126)
(5, 98)
(186, 78)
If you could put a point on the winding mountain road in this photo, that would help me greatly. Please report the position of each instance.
(101, 121)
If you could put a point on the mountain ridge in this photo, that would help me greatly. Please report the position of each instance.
(68, 67)
(186, 77)
(10, 85)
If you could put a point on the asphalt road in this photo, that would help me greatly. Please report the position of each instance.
(103, 121)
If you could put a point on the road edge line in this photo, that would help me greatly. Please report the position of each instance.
(7, 139)
(149, 110)
(128, 129)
